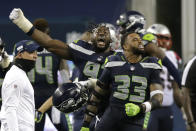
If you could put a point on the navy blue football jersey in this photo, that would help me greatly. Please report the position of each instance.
(89, 63)
(130, 81)
(44, 77)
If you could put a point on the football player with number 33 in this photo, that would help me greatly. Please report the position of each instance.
(135, 89)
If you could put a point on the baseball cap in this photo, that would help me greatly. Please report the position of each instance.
(26, 45)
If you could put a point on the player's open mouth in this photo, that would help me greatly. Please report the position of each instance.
(101, 43)
(141, 47)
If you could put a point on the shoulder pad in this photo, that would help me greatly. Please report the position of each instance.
(82, 46)
(115, 60)
(151, 62)
(80, 42)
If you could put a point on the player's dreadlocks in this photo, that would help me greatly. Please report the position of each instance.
(41, 24)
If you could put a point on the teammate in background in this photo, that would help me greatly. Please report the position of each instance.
(162, 119)
(189, 92)
(18, 106)
(135, 88)
(133, 20)
(44, 78)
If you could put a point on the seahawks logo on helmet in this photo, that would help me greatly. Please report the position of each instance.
(131, 21)
(66, 105)
(69, 98)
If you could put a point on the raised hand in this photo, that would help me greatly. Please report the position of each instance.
(20, 20)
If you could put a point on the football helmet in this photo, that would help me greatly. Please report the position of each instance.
(69, 97)
(162, 34)
(131, 21)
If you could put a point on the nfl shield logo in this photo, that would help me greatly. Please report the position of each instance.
(132, 68)
(100, 58)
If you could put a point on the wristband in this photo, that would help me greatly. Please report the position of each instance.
(31, 31)
(148, 106)
(152, 93)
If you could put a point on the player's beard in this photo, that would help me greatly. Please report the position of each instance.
(137, 51)
(25, 64)
(99, 49)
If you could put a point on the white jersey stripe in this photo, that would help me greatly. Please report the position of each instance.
(151, 65)
(115, 63)
(186, 71)
(81, 49)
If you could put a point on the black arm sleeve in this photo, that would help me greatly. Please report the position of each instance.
(105, 77)
(172, 70)
(155, 76)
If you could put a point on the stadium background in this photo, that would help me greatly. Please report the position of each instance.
(69, 18)
(73, 15)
